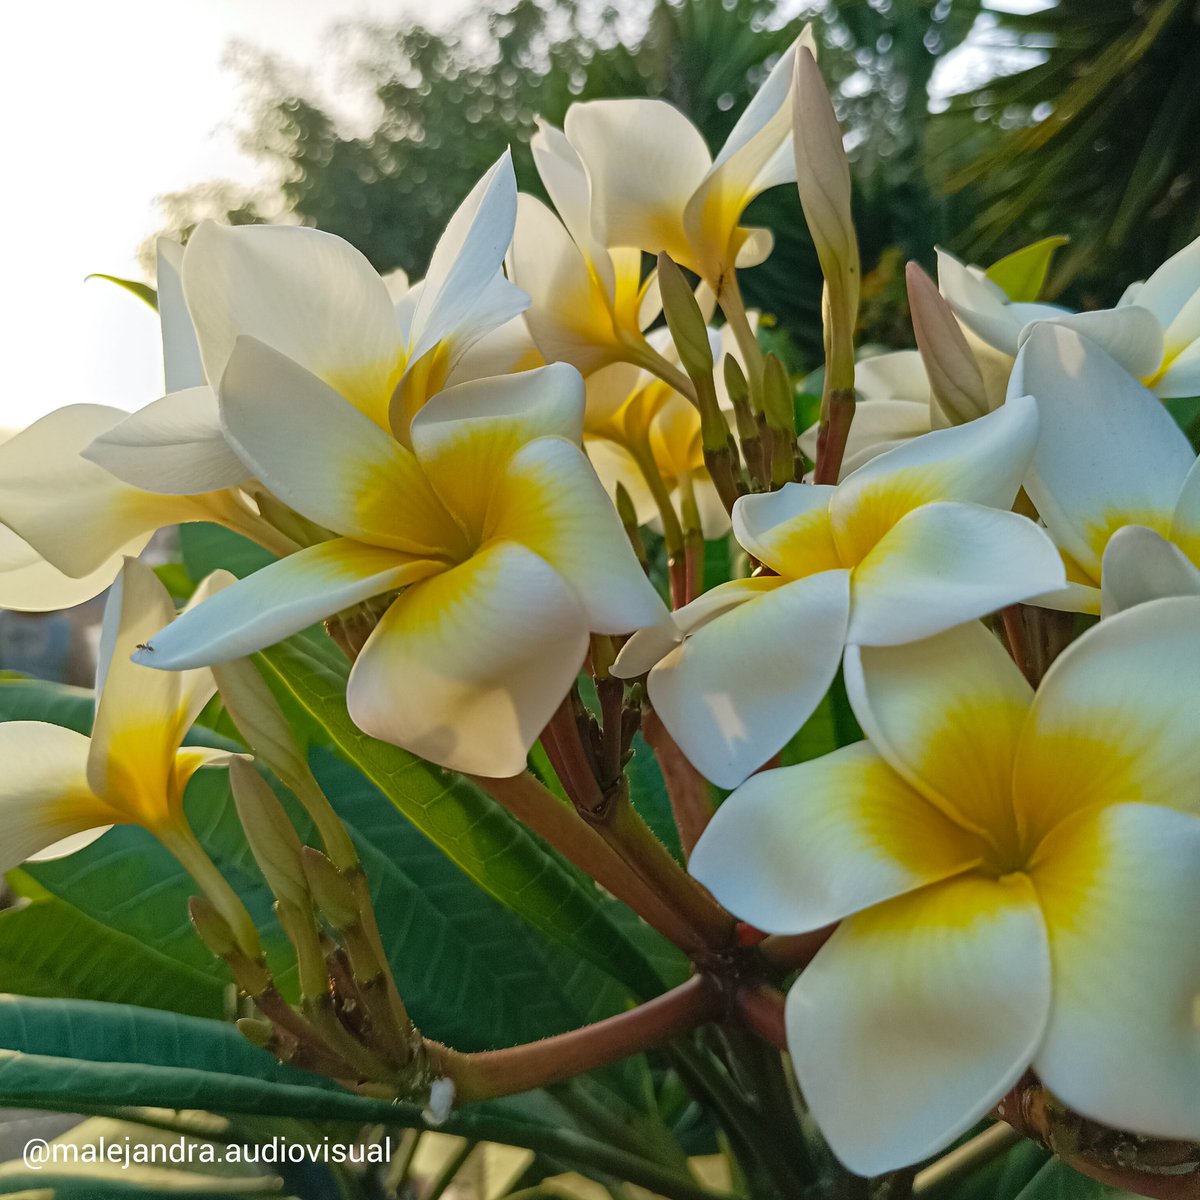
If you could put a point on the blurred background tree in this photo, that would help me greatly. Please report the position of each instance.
(1077, 118)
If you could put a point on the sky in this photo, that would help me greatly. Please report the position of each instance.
(106, 105)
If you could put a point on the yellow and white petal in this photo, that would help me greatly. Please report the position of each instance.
(464, 437)
(329, 462)
(1185, 520)
(944, 564)
(567, 318)
(308, 295)
(1139, 565)
(281, 599)
(505, 350)
(898, 375)
(649, 646)
(789, 530)
(947, 714)
(498, 303)
(44, 792)
(918, 1016)
(1120, 888)
(28, 583)
(190, 759)
(1114, 719)
(466, 668)
(73, 513)
(644, 160)
(1172, 286)
(797, 848)
(182, 367)
(744, 682)
(981, 462)
(174, 445)
(467, 258)
(550, 500)
(140, 714)
(1108, 453)
(1130, 335)
(1182, 376)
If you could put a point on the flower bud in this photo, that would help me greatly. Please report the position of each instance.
(270, 834)
(685, 320)
(779, 404)
(331, 890)
(212, 928)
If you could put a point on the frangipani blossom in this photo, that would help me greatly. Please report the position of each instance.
(917, 540)
(1016, 877)
(61, 790)
(506, 549)
(654, 185)
(314, 298)
(1114, 477)
(1153, 332)
(588, 303)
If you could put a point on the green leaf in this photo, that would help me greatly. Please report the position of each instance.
(49, 948)
(1057, 1181)
(470, 828)
(1022, 274)
(207, 548)
(143, 291)
(831, 726)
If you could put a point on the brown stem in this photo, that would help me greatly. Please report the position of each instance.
(521, 1068)
(541, 811)
(1014, 634)
(762, 1009)
(834, 429)
(687, 789)
(791, 952)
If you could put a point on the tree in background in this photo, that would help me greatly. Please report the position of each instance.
(450, 100)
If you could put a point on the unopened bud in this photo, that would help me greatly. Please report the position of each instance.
(331, 890)
(685, 320)
(259, 1033)
(954, 376)
(212, 928)
(823, 180)
(779, 403)
(272, 839)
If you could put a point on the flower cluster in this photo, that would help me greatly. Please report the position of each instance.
(468, 480)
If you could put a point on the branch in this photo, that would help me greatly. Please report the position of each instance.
(496, 1073)
(762, 1008)
(687, 789)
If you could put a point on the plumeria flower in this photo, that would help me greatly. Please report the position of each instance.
(655, 186)
(588, 303)
(70, 523)
(497, 534)
(636, 424)
(1113, 477)
(61, 790)
(917, 540)
(314, 298)
(1016, 876)
(1153, 332)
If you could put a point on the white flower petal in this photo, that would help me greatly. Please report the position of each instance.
(174, 445)
(28, 583)
(1182, 376)
(72, 512)
(787, 529)
(281, 599)
(308, 295)
(1130, 335)
(1174, 283)
(947, 714)
(743, 683)
(944, 564)
(1108, 453)
(878, 426)
(1139, 565)
(327, 460)
(797, 848)
(467, 668)
(1120, 889)
(550, 501)
(467, 258)
(181, 352)
(644, 160)
(918, 1016)
(1114, 718)
(44, 792)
